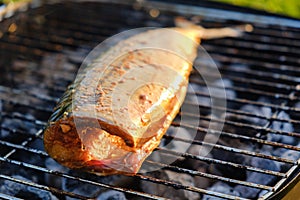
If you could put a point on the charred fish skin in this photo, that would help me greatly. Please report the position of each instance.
(116, 112)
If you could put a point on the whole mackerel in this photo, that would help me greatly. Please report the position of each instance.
(116, 112)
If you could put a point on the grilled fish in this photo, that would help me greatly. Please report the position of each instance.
(116, 112)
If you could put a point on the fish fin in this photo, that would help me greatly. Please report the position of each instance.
(213, 33)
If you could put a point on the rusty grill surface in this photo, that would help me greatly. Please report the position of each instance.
(42, 48)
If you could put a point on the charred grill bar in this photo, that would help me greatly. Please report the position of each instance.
(42, 48)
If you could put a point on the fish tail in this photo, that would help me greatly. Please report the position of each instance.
(213, 33)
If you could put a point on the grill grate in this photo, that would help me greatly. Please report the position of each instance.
(41, 49)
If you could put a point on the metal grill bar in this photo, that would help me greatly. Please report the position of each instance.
(53, 40)
(8, 197)
(246, 80)
(259, 45)
(239, 114)
(175, 124)
(243, 125)
(41, 169)
(170, 152)
(225, 148)
(22, 50)
(42, 45)
(258, 128)
(142, 177)
(177, 169)
(219, 14)
(24, 143)
(276, 36)
(234, 150)
(155, 180)
(42, 187)
(281, 77)
(208, 144)
(255, 127)
(183, 170)
(251, 91)
(188, 141)
(288, 174)
(193, 189)
(12, 92)
(246, 101)
(37, 108)
(268, 48)
(216, 161)
(71, 22)
(198, 93)
(242, 60)
(72, 32)
(55, 44)
(255, 82)
(22, 117)
(23, 147)
(236, 136)
(211, 176)
(230, 52)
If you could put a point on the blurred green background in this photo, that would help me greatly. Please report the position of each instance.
(285, 7)
(11, 1)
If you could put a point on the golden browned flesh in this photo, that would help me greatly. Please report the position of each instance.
(115, 114)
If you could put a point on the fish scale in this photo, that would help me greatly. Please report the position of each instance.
(107, 116)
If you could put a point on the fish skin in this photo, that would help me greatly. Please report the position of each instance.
(118, 109)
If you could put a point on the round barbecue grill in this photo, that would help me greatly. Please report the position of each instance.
(257, 153)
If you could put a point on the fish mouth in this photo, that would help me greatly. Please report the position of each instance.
(109, 154)
(91, 149)
(113, 166)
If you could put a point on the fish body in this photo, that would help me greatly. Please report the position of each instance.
(118, 109)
